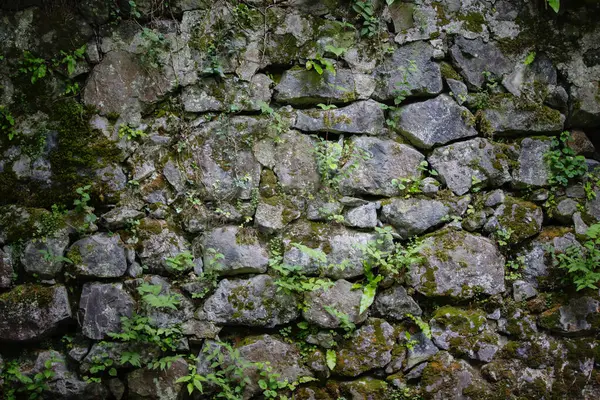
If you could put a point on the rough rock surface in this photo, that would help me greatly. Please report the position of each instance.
(458, 264)
(396, 304)
(434, 122)
(340, 297)
(241, 249)
(251, 302)
(414, 216)
(101, 307)
(375, 163)
(155, 384)
(532, 170)
(473, 162)
(301, 87)
(283, 358)
(99, 256)
(33, 311)
(369, 347)
(410, 71)
(360, 117)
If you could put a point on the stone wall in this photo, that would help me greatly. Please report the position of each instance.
(291, 199)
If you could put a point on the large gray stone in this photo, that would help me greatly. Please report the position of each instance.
(368, 348)
(164, 317)
(509, 115)
(220, 159)
(292, 160)
(586, 110)
(474, 56)
(43, 257)
(99, 256)
(340, 297)
(534, 81)
(410, 71)
(158, 241)
(414, 216)
(243, 253)
(302, 87)
(251, 302)
(532, 169)
(373, 165)
(434, 122)
(218, 95)
(420, 352)
(395, 304)
(461, 164)
(519, 219)
(6, 268)
(101, 307)
(359, 117)
(119, 84)
(155, 384)
(464, 332)
(445, 377)
(284, 359)
(65, 383)
(458, 264)
(579, 315)
(344, 249)
(537, 255)
(30, 312)
(364, 216)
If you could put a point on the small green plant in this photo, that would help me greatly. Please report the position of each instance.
(503, 236)
(18, 385)
(565, 165)
(337, 51)
(53, 258)
(229, 372)
(151, 295)
(72, 89)
(181, 262)
(81, 205)
(370, 23)
(69, 60)
(138, 329)
(514, 268)
(331, 359)
(336, 161)
(152, 45)
(214, 67)
(475, 181)
(33, 66)
(276, 120)
(320, 65)
(7, 123)
(555, 5)
(344, 319)
(125, 131)
(423, 326)
(530, 58)
(582, 265)
(326, 107)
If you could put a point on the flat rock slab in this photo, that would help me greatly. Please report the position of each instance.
(364, 117)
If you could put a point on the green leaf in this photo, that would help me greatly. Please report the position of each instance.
(554, 4)
(368, 295)
(112, 372)
(331, 358)
(530, 58)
